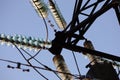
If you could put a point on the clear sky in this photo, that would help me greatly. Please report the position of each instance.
(19, 17)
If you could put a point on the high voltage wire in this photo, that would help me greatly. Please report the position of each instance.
(22, 42)
(31, 64)
(38, 67)
(39, 62)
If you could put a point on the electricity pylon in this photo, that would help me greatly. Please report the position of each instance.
(74, 32)
(71, 34)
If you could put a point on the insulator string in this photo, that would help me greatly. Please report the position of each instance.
(61, 66)
(25, 42)
(40, 7)
(57, 15)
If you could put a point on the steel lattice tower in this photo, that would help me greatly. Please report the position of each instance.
(76, 29)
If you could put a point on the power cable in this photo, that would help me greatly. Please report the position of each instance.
(31, 55)
(77, 65)
(30, 63)
(41, 63)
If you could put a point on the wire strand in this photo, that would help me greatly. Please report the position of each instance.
(41, 63)
(45, 23)
(76, 64)
(30, 63)
(31, 57)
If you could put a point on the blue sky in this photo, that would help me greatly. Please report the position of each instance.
(19, 17)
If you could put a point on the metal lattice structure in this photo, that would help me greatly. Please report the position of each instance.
(76, 29)
(84, 15)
